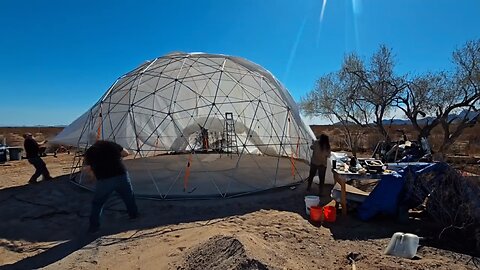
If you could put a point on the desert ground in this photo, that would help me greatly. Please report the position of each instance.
(44, 226)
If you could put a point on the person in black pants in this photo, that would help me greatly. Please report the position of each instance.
(318, 162)
(103, 160)
(32, 150)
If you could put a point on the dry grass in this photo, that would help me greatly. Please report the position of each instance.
(468, 143)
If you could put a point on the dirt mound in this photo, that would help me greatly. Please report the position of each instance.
(221, 252)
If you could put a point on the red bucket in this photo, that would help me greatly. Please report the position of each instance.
(316, 213)
(330, 213)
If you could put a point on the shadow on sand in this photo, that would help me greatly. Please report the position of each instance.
(57, 211)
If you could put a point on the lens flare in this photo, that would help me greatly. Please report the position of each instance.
(356, 11)
(293, 51)
(320, 20)
(357, 7)
(323, 10)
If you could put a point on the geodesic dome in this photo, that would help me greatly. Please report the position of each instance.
(199, 125)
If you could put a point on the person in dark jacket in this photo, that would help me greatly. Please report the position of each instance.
(103, 161)
(318, 162)
(32, 150)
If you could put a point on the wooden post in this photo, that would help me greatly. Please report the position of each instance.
(343, 200)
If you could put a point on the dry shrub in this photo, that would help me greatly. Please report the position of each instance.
(453, 201)
(337, 142)
(14, 139)
(473, 147)
(336, 132)
(468, 143)
(14, 135)
(372, 140)
(436, 141)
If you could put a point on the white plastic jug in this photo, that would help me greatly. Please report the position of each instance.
(311, 201)
(403, 245)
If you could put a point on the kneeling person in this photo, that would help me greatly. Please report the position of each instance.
(104, 160)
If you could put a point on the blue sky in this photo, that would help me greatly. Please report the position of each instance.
(58, 57)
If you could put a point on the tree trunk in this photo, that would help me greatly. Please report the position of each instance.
(384, 133)
(442, 151)
(351, 141)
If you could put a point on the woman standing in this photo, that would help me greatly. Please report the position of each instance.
(318, 162)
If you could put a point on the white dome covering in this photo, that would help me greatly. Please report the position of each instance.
(174, 103)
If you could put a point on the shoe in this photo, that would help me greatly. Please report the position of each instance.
(32, 182)
(48, 178)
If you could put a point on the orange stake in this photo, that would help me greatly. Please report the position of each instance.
(187, 173)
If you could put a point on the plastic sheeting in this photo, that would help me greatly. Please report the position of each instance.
(384, 198)
(390, 191)
(164, 105)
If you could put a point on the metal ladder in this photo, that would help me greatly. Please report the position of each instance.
(230, 135)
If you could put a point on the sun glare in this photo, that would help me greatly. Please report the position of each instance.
(322, 12)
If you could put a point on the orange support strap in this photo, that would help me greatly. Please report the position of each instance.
(292, 157)
(99, 129)
(298, 146)
(292, 161)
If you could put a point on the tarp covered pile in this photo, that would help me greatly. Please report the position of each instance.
(452, 200)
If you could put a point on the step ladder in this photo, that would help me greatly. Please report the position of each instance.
(230, 135)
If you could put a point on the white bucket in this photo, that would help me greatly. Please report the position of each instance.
(311, 201)
(403, 245)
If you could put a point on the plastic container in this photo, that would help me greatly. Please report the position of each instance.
(316, 213)
(15, 153)
(311, 201)
(3, 153)
(329, 213)
(403, 245)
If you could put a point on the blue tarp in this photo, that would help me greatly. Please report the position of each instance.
(390, 191)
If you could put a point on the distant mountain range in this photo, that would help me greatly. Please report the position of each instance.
(425, 120)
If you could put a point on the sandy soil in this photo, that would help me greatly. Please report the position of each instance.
(44, 226)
